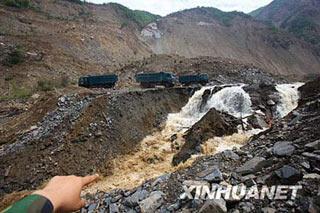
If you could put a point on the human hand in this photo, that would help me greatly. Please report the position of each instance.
(64, 192)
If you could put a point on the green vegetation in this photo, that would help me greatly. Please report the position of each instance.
(301, 25)
(224, 17)
(306, 29)
(21, 92)
(141, 18)
(14, 57)
(16, 92)
(77, 1)
(45, 85)
(274, 29)
(17, 3)
(49, 85)
(256, 12)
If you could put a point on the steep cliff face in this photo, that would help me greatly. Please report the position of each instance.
(210, 32)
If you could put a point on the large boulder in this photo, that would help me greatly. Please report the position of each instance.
(283, 148)
(251, 166)
(213, 124)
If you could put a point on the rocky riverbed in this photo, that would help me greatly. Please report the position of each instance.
(287, 153)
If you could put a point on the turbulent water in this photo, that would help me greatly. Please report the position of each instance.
(232, 100)
(289, 95)
(155, 154)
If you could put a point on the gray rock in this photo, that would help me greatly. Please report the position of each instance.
(107, 201)
(283, 148)
(288, 174)
(268, 210)
(92, 207)
(311, 155)
(215, 176)
(314, 145)
(230, 155)
(311, 176)
(271, 102)
(113, 208)
(216, 206)
(160, 179)
(253, 165)
(151, 203)
(134, 199)
(174, 206)
(247, 207)
(305, 164)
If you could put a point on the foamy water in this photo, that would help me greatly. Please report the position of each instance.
(289, 95)
(232, 100)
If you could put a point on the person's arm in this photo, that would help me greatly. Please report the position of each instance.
(62, 194)
(32, 203)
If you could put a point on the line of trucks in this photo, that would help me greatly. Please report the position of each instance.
(146, 80)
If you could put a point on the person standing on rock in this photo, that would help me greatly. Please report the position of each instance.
(61, 194)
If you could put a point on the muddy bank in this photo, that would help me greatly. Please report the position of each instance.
(83, 134)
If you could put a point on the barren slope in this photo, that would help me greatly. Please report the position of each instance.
(58, 38)
(210, 32)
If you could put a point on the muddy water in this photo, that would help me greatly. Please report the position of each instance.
(156, 151)
(154, 159)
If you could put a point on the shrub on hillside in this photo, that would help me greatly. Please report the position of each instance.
(16, 92)
(14, 57)
(49, 85)
(45, 85)
(17, 3)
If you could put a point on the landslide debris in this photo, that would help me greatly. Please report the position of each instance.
(83, 133)
(256, 163)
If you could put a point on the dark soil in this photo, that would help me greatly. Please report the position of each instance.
(83, 134)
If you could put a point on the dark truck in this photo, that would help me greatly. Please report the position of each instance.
(187, 80)
(100, 81)
(149, 80)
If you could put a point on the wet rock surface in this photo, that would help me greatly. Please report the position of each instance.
(257, 163)
(213, 124)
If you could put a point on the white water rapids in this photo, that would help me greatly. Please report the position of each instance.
(155, 153)
(289, 98)
(232, 100)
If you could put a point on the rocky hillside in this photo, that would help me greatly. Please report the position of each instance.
(299, 17)
(48, 40)
(211, 32)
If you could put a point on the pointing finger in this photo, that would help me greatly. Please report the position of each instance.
(89, 179)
